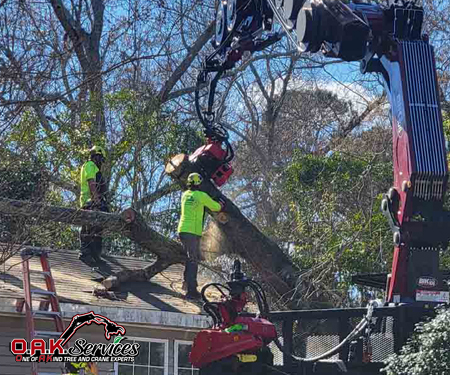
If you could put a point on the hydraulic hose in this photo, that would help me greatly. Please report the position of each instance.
(218, 286)
(264, 310)
(230, 152)
(202, 75)
(197, 99)
(261, 299)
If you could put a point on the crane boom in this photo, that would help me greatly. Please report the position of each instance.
(387, 40)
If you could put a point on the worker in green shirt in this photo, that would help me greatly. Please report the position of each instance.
(92, 197)
(190, 228)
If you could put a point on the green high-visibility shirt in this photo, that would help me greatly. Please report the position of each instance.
(88, 171)
(193, 205)
(79, 366)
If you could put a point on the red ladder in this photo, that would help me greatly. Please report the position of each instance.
(50, 300)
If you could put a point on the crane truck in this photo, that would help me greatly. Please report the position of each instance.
(386, 39)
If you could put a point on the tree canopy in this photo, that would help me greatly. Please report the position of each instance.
(426, 353)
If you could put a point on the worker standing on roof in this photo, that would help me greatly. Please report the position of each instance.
(92, 197)
(190, 228)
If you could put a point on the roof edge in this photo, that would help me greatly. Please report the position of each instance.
(162, 319)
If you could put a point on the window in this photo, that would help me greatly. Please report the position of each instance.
(182, 364)
(153, 358)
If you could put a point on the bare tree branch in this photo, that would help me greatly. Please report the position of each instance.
(260, 83)
(186, 63)
(154, 196)
(354, 122)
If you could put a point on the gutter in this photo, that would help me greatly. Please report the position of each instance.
(162, 319)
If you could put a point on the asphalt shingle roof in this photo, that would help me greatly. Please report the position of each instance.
(75, 282)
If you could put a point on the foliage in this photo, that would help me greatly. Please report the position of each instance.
(427, 352)
(300, 121)
(339, 228)
(331, 227)
(24, 180)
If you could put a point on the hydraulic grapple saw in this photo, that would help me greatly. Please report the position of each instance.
(237, 342)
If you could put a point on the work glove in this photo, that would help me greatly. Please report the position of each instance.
(222, 203)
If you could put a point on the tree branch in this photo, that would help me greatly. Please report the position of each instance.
(98, 9)
(129, 223)
(158, 194)
(354, 122)
(260, 84)
(186, 63)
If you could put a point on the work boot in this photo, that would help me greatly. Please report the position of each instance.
(193, 294)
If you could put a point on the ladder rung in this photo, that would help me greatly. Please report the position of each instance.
(42, 312)
(47, 334)
(43, 292)
(34, 251)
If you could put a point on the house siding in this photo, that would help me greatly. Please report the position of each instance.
(14, 327)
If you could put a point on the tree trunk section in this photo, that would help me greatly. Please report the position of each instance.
(129, 223)
(137, 274)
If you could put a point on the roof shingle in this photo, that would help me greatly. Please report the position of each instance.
(75, 282)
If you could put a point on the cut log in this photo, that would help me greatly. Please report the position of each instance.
(175, 166)
(137, 274)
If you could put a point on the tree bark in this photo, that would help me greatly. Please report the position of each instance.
(233, 234)
(129, 223)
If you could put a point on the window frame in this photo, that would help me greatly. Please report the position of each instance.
(166, 353)
(176, 343)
